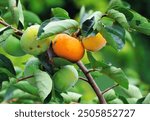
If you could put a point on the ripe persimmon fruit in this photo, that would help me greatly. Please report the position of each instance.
(94, 43)
(68, 47)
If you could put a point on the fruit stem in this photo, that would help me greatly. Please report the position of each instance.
(24, 78)
(92, 82)
(17, 31)
(110, 88)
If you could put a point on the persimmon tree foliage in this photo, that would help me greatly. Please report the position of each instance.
(63, 67)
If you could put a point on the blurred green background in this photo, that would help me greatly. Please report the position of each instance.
(135, 61)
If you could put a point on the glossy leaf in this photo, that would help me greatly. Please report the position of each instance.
(131, 92)
(26, 87)
(117, 75)
(17, 13)
(3, 77)
(44, 84)
(7, 64)
(119, 17)
(136, 21)
(110, 40)
(118, 34)
(147, 99)
(49, 28)
(5, 32)
(60, 13)
(87, 27)
(94, 63)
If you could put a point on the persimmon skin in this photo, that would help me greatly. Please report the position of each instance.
(29, 43)
(68, 47)
(65, 78)
(94, 43)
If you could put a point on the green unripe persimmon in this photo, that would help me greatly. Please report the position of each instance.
(29, 43)
(12, 46)
(65, 78)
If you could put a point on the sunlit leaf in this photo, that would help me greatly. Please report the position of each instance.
(49, 28)
(117, 75)
(119, 17)
(44, 85)
(60, 13)
(26, 87)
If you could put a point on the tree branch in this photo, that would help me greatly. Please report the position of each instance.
(92, 70)
(84, 79)
(24, 78)
(17, 31)
(110, 88)
(92, 82)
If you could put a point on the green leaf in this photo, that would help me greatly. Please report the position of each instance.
(49, 28)
(20, 12)
(9, 93)
(60, 62)
(117, 75)
(131, 92)
(139, 101)
(118, 3)
(136, 21)
(44, 85)
(7, 64)
(97, 16)
(82, 14)
(94, 63)
(5, 32)
(110, 40)
(129, 38)
(71, 97)
(3, 77)
(119, 17)
(118, 34)
(60, 13)
(114, 3)
(87, 27)
(142, 28)
(147, 99)
(26, 87)
(17, 13)
(6, 71)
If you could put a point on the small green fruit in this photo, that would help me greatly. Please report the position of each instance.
(65, 78)
(12, 46)
(29, 43)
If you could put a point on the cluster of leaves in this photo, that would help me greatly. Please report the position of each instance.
(118, 20)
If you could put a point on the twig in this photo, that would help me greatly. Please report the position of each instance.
(110, 88)
(92, 70)
(24, 78)
(92, 82)
(84, 79)
(17, 31)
